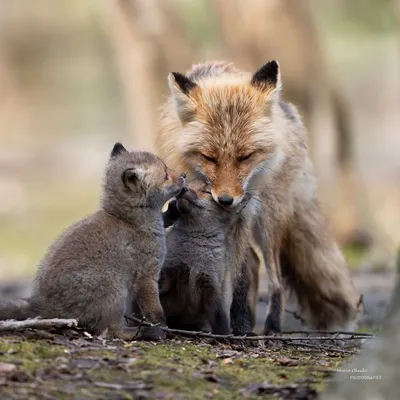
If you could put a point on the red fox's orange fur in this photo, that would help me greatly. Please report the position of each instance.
(232, 128)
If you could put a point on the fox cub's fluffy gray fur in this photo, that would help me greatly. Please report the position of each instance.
(195, 282)
(112, 257)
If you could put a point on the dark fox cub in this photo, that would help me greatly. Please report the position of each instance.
(98, 265)
(197, 279)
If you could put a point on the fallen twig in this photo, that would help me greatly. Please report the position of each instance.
(128, 386)
(333, 333)
(296, 316)
(37, 323)
(253, 338)
(322, 348)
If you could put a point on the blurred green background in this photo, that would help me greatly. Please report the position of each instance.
(76, 76)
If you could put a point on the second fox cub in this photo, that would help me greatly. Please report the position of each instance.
(98, 264)
(197, 280)
(233, 129)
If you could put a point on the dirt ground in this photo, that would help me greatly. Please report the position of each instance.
(74, 365)
(71, 364)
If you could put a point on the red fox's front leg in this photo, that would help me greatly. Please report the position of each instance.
(276, 297)
(268, 253)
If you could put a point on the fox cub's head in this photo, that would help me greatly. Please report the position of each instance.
(230, 133)
(197, 207)
(138, 179)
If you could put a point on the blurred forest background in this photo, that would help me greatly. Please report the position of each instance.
(76, 76)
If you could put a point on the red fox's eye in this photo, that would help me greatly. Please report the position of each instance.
(246, 157)
(166, 176)
(210, 159)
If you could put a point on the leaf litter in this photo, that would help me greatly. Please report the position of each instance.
(69, 364)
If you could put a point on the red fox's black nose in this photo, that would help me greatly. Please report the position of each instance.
(225, 200)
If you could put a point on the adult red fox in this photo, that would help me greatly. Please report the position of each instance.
(233, 129)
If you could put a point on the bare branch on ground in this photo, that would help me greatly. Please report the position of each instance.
(37, 323)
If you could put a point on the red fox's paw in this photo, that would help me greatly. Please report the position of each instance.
(151, 333)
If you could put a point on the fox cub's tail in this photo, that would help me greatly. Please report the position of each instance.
(17, 309)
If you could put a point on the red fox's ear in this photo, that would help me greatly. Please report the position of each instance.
(181, 89)
(268, 78)
(181, 82)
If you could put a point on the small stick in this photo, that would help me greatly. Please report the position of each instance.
(334, 333)
(251, 338)
(321, 348)
(296, 316)
(37, 323)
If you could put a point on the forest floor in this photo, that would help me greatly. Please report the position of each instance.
(71, 364)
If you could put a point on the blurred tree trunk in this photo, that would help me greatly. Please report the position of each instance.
(12, 107)
(285, 30)
(149, 41)
(15, 121)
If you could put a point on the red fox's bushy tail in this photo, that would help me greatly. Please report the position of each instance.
(314, 268)
(17, 309)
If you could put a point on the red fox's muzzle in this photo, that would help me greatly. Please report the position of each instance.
(227, 192)
(227, 200)
(225, 183)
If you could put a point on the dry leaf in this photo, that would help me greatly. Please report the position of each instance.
(5, 368)
(287, 361)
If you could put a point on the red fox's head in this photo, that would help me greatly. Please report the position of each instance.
(229, 133)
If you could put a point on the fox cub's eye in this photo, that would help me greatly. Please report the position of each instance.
(166, 176)
(210, 159)
(246, 157)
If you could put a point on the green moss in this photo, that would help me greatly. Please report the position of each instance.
(190, 370)
(186, 370)
(32, 354)
(368, 329)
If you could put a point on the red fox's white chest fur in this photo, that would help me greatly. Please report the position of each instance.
(232, 128)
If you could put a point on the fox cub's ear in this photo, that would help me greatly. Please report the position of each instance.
(181, 89)
(118, 149)
(268, 78)
(133, 176)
